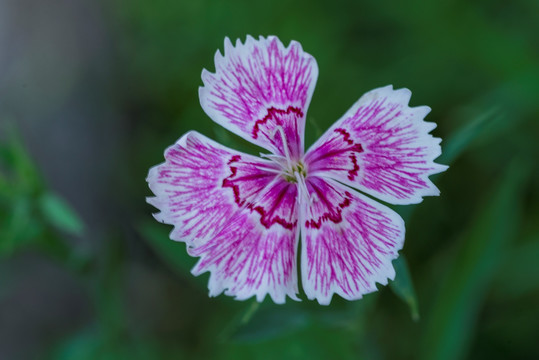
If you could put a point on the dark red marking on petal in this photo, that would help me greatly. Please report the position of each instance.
(353, 173)
(346, 201)
(272, 112)
(346, 135)
(234, 159)
(228, 183)
(347, 138)
(276, 219)
(333, 214)
(356, 147)
(265, 219)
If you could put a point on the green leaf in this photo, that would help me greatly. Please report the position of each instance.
(22, 172)
(403, 286)
(453, 318)
(89, 344)
(460, 140)
(173, 253)
(108, 295)
(58, 213)
(271, 321)
(518, 275)
(18, 226)
(242, 318)
(82, 345)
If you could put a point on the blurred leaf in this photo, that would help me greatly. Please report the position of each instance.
(453, 318)
(18, 227)
(173, 253)
(308, 342)
(272, 321)
(15, 160)
(62, 251)
(518, 275)
(240, 320)
(80, 346)
(108, 294)
(5, 187)
(512, 97)
(250, 311)
(20, 224)
(403, 286)
(28, 212)
(345, 314)
(460, 140)
(58, 213)
(88, 345)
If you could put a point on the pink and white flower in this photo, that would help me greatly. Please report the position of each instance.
(244, 215)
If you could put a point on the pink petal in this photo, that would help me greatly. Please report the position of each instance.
(234, 212)
(348, 242)
(259, 86)
(382, 147)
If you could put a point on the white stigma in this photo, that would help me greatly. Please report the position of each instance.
(302, 189)
(291, 170)
(280, 130)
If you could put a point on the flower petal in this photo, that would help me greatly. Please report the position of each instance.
(235, 212)
(382, 147)
(348, 242)
(258, 87)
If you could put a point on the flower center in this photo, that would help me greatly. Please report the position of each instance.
(291, 174)
(292, 171)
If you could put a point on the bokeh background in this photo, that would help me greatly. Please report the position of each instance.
(92, 92)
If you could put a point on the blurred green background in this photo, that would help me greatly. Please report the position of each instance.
(92, 92)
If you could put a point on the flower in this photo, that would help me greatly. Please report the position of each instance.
(243, 215)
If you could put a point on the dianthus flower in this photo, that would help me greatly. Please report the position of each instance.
(244, 215)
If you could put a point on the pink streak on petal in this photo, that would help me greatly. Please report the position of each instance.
(350, 253)
(192, 195)
(397, 154)
(287, 119)
(246, 259)
(256, 81)
(193, 171)
(338, 153)
(276, 203)
(328, 203)
(245, 180)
